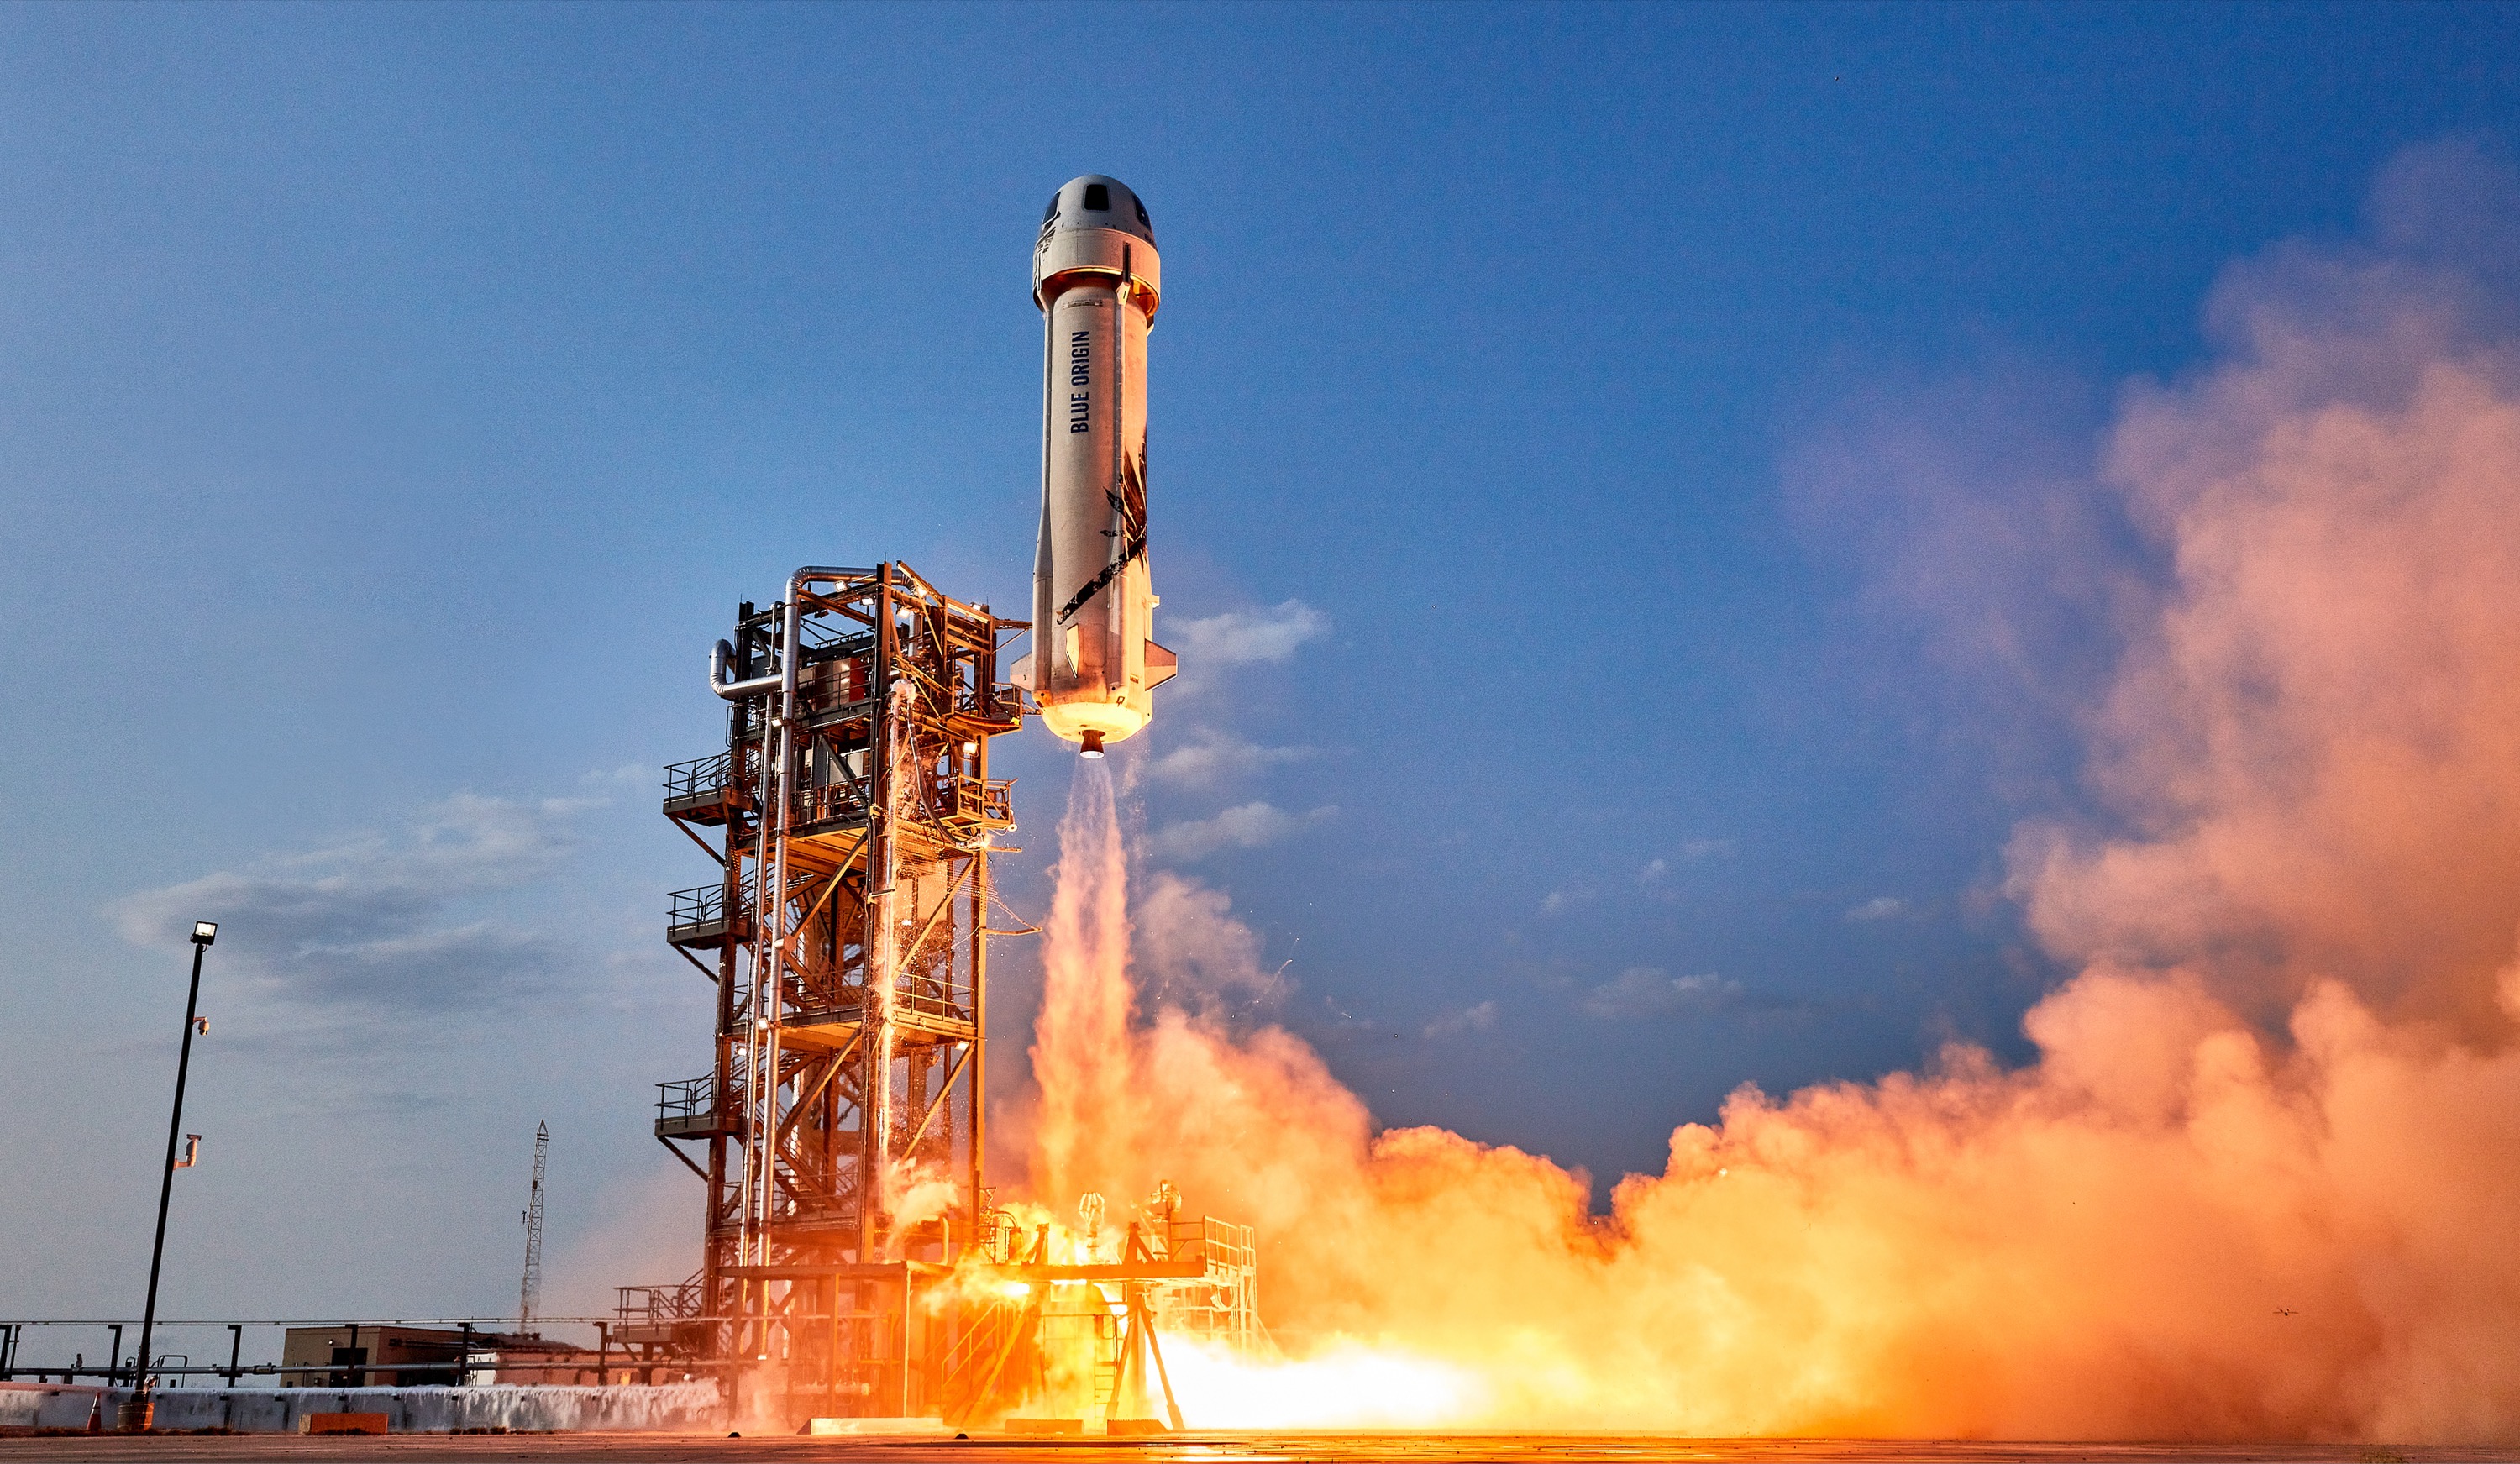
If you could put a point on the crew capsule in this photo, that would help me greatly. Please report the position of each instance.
(1098, 280)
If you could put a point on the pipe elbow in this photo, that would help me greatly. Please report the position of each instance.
(721, 662)
(809, 574)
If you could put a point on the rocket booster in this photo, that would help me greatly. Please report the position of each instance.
(1097, 280)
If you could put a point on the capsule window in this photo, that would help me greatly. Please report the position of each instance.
(1098, 199)
(1142, 212)
(1051, 211)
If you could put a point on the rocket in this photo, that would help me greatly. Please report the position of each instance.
(1097, 280)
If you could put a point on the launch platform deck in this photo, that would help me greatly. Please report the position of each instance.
(1290, 1447)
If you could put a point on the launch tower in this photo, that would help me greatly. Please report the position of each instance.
(847, 934)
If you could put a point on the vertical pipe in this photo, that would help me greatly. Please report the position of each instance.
(761, 1092)
(875, 1009)
(747, 1292)
(715, 1299)
(236, 1350)
(770, 985)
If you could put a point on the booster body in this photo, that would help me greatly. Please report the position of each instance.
(1098, 280)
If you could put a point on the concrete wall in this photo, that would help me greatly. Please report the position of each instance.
(670, 1407)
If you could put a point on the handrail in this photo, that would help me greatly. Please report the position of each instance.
(702, 905)
(699, 775)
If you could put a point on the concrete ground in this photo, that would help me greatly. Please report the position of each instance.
(1204, 1449)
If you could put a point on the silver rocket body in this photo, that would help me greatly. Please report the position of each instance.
(1098, 280)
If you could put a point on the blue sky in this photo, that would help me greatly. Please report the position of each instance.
(1546, 404)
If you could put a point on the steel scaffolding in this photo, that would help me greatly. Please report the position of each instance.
(842, 1125)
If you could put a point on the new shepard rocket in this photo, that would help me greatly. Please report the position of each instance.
(1097, 280)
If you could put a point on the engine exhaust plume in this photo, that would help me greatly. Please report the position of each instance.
(2259, 1182)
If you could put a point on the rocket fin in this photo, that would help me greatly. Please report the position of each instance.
(1020, 673)
(1160, 665)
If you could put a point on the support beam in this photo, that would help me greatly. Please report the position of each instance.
(944, 1091)
(685, 1158)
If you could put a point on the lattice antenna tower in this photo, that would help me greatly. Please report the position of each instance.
(529, 1293)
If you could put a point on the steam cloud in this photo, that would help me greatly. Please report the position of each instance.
(2259, 1182)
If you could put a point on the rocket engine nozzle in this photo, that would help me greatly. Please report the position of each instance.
(1093, 743)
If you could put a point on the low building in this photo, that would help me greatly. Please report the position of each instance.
(383, 1355)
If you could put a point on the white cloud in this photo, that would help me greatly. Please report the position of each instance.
(1252, 825)
(1647, 991)
(1237, 636)
(1656, 871)
(1566, 896)
(1878, 908)
(1218, 757)
(1477, 1018)
(369, 921)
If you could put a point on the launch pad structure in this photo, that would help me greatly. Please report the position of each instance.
(853, 1261)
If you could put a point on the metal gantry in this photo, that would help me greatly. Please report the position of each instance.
(843, 1122)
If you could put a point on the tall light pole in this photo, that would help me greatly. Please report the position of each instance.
(135, 1414)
